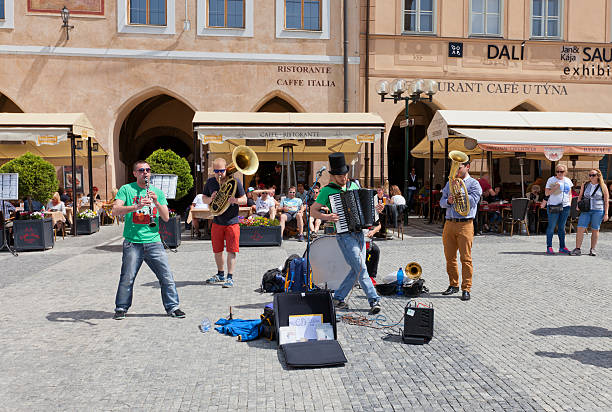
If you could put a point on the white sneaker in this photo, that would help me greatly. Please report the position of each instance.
(593, 252)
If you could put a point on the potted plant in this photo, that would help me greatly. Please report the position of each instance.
(32, 231)
(170, 231)
(37, 177)
(167, 162)
(260, 231)
(87, 222)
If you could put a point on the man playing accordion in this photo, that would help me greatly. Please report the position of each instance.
(352, 244)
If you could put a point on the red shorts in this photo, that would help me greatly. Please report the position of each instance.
(230, 235)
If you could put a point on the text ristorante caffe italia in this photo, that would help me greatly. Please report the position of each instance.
(304, 76)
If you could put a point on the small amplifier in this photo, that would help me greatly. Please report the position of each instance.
(418, 323)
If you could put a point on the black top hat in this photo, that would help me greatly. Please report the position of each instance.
(337, 164)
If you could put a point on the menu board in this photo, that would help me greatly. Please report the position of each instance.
(165, 183)
(9, 186)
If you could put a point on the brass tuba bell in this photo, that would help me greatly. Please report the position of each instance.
(456, 186)
(413, 271)
(245, 161)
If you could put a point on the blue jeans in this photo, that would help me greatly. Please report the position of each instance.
(154, 255)
(353, 248)
(411, 198)
(555, 219)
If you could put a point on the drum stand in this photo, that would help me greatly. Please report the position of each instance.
(308, 241)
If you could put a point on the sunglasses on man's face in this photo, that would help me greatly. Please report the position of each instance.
(593, 175)
(144, 169)
(219, 170)
(560, 171)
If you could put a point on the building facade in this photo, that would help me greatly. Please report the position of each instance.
(140, 69)
(485, 55)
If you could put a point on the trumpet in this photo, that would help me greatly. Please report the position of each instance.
(152, 219)
(456, 186)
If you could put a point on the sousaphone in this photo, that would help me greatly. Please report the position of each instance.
(245, 161)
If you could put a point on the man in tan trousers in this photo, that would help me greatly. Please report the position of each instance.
(458, 232)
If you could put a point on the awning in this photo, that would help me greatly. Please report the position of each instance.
(46, 135)
(314, 135)
(44, 128)
(550, 133)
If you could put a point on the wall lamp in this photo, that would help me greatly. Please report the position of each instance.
(94, 147)
(65, 19)
(79, 145)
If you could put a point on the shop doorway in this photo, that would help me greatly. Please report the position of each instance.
(396, 145)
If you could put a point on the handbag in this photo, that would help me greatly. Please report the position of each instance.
(555, 208)
(585, 204)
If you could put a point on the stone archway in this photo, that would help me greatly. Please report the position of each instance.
(161, 121)
(7, 105)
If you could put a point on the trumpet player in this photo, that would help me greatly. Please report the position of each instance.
(458, 232)
(143, 206)
(225, 228)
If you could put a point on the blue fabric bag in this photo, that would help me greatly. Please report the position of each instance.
(245, 329)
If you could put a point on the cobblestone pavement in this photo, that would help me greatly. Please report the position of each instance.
(537, 334)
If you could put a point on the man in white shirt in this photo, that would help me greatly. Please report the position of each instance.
(198, 203)
(265, 205)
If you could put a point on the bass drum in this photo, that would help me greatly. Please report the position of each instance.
(327, 261)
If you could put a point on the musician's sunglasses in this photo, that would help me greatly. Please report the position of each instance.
(144, 169)
(218, 170)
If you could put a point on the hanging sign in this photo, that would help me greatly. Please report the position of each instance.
(553, 153)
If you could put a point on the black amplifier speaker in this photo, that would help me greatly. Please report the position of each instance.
(418, 323)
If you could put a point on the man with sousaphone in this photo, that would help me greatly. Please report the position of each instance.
(460, 198)
(225, 196)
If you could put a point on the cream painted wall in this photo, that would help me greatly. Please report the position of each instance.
(106, 89)
(392, 55)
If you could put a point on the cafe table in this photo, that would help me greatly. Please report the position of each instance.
(55, 216)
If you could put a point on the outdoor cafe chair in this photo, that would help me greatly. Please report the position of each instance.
(574, 213)
(518, 214)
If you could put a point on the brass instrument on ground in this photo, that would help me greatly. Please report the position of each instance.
(244, 160)
(456, 186)
(413, 271)
(152, 219)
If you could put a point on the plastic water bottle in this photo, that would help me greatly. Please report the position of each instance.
(205, 325)
(400, 281)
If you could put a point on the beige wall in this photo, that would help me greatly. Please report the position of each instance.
(107, 89)
(477, 82)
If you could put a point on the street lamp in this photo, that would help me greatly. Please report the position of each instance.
(65, 19)
(417, 90)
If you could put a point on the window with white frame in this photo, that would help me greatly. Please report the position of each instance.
(147, 12)
(303, 15)
(303, 19)
(485, 19)
(546, 18)
(419, 16)
(226, 13)
(7, 14)
(146, 16)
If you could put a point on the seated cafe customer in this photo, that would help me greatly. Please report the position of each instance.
(265, 205)
(198, 203)
(36, 205)
(56, 205)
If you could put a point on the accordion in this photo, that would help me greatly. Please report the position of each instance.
(355, 208)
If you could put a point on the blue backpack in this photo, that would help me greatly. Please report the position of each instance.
(297, 279)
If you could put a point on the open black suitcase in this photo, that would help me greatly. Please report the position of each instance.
(312, 353)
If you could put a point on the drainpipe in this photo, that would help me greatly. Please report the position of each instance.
(345, 54)
(367, 93)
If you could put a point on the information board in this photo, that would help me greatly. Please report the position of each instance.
(9, 186)
(165, 183)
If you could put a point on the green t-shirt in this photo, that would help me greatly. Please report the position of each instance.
(330, 189)
(137, 228)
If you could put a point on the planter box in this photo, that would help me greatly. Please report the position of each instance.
(34, 234)
(260, 236)
(170, 231)
(87, 226)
